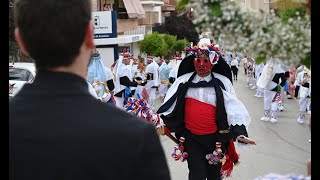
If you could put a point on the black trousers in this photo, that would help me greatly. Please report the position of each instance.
(296, 91)
(234, 70)
(197, 147)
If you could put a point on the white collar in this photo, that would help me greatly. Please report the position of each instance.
(198, 78)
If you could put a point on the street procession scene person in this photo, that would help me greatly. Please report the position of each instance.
(101, 79)
(124, 80)
(202, 109)
(165, 90)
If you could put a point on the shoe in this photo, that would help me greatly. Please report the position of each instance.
(259, 96)
(273, 120)
(253, 87)
(300, 121)
(264, 118)
(280, 108)
(256, 95)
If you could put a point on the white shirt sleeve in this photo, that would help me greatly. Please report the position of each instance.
(92, 91)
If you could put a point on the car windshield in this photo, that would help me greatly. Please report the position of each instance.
(19, 74)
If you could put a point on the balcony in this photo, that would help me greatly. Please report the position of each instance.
(152, 2)
(142, 29)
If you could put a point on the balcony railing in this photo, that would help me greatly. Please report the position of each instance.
(142, 29)
(153, 0)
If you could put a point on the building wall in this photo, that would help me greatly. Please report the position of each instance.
(256, 5)
(94, 5)
(136, 49)
(158, 9)
(126, 25)
(107, 56)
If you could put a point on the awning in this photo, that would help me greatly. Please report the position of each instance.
(134, 9)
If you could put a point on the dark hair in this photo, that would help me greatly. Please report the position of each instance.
(52, 30)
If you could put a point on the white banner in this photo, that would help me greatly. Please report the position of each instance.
(102, 21)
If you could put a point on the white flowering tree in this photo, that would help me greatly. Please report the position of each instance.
(259, 34)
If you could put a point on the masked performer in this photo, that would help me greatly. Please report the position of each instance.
(202, 109)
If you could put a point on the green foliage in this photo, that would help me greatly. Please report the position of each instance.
(170, 41)
(182, 4)
(285, 14)
(307, 61)
(215, 9)
(179, 23)
(180, 45)
(153, 44)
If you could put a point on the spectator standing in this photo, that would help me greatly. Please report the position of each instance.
(234, 67)
(57, 130)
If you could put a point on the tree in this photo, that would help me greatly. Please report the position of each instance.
(171, 42)
(252, 32)
(153, 44)
(180, 45)
(286, 14)
(179, 23)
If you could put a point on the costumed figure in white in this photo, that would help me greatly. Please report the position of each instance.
(304, 94)
(101, 79)
(174, 71)
(153, 80)
(244, 61)
(124, 80)
(285, 70)
(164, 71)
(250, 72)
(272, 79)
(298, 78)
(258, 71)
(202, 109)
(139, 75)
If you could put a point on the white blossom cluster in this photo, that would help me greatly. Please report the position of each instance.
(259, 34)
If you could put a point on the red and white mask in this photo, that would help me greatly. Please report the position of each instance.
(202, 65)
(204, 61)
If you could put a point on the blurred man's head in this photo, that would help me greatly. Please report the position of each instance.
(149, 59)
(54, 32)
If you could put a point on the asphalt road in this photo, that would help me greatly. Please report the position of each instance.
(281, 148)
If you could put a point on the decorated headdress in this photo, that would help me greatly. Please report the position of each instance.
(149, 57)
(126, 55)
(204, 50)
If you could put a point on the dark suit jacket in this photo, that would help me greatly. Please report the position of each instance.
(57, 130)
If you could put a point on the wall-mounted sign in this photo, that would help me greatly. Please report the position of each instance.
(105, 24)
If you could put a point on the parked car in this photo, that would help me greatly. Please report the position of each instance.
(19, 74)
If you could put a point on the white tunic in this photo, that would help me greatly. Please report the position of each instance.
(123, 70)
(152, 68)
(237, 113)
